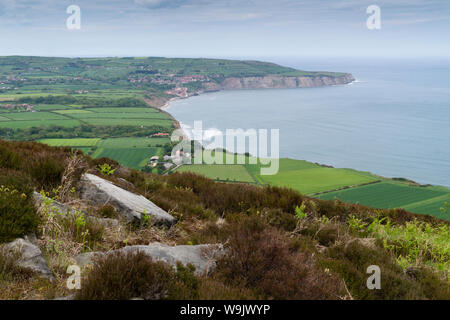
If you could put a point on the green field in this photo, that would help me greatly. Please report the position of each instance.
(48, 107)
(310, 181)
(388, 194)
(133, 142)
(123, 110)
(42, 116)
(87, 114)
(73, 111)
(129, 122)
(44, 123)
(310, 178)
(135, 158)
(232, 173)
(80, 142)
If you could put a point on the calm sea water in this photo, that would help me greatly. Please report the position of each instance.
(393, 121)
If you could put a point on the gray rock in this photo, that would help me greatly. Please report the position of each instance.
(29, 257)
(202, 257)
(132, 206)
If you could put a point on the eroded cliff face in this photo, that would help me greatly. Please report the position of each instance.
(275, 82)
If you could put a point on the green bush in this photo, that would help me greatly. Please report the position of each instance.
(18, 217)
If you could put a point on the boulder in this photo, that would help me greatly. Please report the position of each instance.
(132, 206)
(29, 256)
(203, 257)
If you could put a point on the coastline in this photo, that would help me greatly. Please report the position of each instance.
(167, 104)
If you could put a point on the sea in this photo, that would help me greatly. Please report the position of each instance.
(393, 121)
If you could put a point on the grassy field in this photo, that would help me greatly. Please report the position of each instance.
(129, 122)
(135, 158)
(387, 194)
(133, 152)
(134, 142)
(38, 123)
(326, 183)
(232, 173)
(310, 178)
(72, 116)
(41, 116)
(80, 142)
(310, 181)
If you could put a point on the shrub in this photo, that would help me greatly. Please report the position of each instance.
(18, 217)
(9, 159)
(9, 271)
(122, 276)
(259, 257)
(16, 180)
(47, 172)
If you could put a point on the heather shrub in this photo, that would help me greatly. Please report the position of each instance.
(43, 164)
(47, 172)
(123, 276)
(9, 159)
(18, 217)
(279, 219)
(259, 257)
(9, 271)
(16, 180)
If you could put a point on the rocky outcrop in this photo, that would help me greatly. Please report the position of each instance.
(29, 256)
(202, 257)
(132, 206)
(278, 82)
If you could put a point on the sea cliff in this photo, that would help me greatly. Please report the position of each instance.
(277, 82)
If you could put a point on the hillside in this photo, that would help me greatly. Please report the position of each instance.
(233, 241)
(158, 79)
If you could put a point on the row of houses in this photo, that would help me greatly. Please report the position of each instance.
(26, 106)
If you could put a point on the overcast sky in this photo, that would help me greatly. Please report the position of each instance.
(225, 28)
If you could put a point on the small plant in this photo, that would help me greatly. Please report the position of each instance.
(300, 211)
(106, 169)
(145, 219)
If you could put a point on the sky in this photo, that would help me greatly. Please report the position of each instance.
(226, 28)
